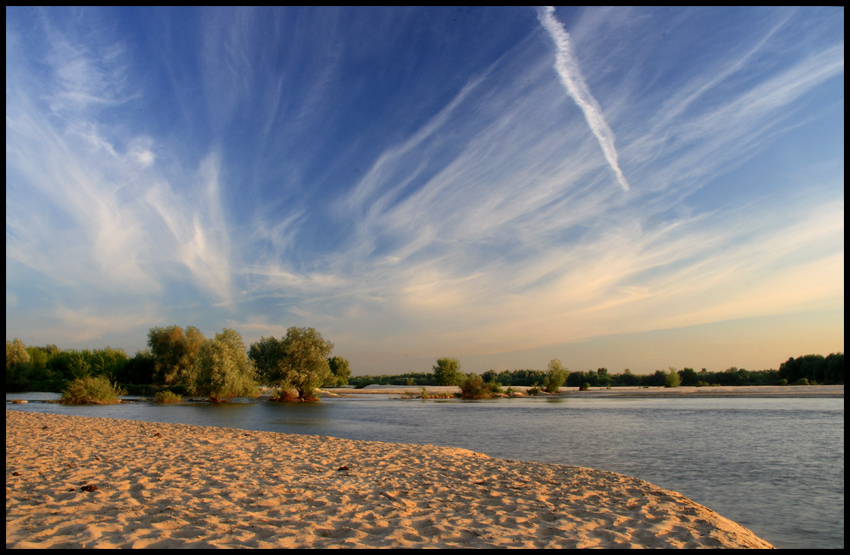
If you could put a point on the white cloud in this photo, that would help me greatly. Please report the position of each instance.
(487, 229)
(568, 69)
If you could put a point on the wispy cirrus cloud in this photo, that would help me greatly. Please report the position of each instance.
(304, 181)
(516, 248)
(88, 195)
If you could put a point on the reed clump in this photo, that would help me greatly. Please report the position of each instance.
(167, 397)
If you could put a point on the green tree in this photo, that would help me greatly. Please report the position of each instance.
(688, 376)
(175, 353)
(658, 379)
(38, 358)
(222, 370)
(671, 378)
(16, 353)
(447, 371)
(298, 361)
(834, 368)
(18, 367)
(556, 377)
(340, 372)
(109, 362)
(79, 365)
(627, 378)
(140, 369)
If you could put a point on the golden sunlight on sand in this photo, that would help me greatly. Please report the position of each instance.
(97, 482)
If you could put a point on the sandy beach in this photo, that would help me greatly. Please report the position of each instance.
(96, 482)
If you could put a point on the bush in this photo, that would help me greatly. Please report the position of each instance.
(783, 381)
(91, 390)
(556, 377)
(495, 388)
(288, 395)
(584, 387)
(671, 378)
(801, 381)
(167, 397)
(473, 387)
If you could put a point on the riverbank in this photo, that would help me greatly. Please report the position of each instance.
(95, 482)
(808, 391)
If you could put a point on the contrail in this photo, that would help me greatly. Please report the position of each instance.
(567, 67)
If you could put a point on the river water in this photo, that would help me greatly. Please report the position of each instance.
(775, 466)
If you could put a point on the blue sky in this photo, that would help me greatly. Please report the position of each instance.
(620, 187)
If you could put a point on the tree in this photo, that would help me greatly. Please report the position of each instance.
(688, 376)
(16, 353)
(79, 366)
(175, 352)
(556, 377)
(658, 379)
(18, 365)
(447, 371)
(340, 372)
(222, 369)
(671, 378)
(627, 378)
(140, 369)
(299, 361)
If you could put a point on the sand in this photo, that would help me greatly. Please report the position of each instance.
(97, 482)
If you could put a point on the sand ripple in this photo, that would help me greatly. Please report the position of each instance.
(173, 485)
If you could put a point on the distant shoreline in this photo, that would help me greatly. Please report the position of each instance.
(786, 391)
(685, 392)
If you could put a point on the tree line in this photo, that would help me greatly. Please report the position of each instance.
(186, 362)
(808, 369)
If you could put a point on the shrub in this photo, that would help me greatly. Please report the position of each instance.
(783, 381)
(671, 378)
(286, 395)
(473, 387)
(584, 387)
(801, 381)
(91, 390)
(167, 397)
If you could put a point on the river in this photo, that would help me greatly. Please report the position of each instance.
(774, 465)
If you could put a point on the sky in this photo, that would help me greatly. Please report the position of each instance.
(616, 187)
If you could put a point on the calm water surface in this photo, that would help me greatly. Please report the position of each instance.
(775, 466)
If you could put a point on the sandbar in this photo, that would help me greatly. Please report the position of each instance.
(764, 391)
(74, 482)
